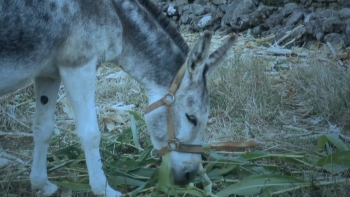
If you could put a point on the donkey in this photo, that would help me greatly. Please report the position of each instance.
(65, 41)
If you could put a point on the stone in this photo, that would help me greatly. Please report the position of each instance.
(331, 25)
(259, 16)
(274, 20)
(328, 13)
(205, 21)
(4, 162)
(344, 13)
(186, 17)
(334, 6)
(337, 39)
(223, 8)
(289, 8)
(319, 10)
(236, 9)
(218, 2)
(199, 10)
(171, 11)
(306, 3)
(295, 18)
(344, 3)
(275, 2)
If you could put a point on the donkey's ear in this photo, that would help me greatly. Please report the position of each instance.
(219, 55)
(198, 55)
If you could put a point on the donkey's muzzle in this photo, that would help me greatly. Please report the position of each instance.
(184, 175)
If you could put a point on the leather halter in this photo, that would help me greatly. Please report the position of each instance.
(168, 99)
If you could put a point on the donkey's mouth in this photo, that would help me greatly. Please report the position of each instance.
(184, 176)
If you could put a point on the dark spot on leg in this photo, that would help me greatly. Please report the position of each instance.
(53, 6)
(44, 100)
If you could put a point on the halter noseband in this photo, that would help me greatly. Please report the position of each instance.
(168, 99)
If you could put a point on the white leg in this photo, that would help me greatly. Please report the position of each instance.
(46, 92)
(80, 84)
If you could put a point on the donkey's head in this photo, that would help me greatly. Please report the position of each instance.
(190, 109)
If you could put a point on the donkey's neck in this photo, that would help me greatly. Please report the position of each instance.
(153, 50)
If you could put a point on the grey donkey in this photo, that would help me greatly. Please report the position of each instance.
(56, 41)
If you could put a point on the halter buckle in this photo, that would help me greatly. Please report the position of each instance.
(169, 99)
(173, 145)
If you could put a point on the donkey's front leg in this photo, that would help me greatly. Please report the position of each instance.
(46, 92)
(80, 84)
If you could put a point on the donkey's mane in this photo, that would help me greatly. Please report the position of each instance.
(166, 24)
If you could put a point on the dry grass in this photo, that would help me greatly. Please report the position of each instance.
(247, 101)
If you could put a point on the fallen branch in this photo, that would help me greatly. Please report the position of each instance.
(289, 33)
(19, 134)
(340, 63)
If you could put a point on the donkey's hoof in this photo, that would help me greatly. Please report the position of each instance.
(48, 189)
(208, 189)
(113, 193)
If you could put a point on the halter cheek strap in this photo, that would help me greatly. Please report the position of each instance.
(168, 100)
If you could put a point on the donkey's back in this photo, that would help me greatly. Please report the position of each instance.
(36, 37)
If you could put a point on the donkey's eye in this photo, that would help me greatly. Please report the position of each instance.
(192, 119)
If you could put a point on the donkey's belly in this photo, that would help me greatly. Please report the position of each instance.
(11, 81)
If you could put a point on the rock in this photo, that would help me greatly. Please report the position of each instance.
(218, 2)
(344, 13)
(256, 2)
(289, 8)
(334, 6)
(331, 25)
(205, 21)
(274, 20)
(196, 9)
(171, 11)
(186, 17)
(201, 2)
(314, 30)
(223, 8)
(275, 2)
(4, 162)
(253, 19)
(337, 39)
(295, 18)
(344, 3)
(319, 10)
(306, 3)
(328, 13)
(236, 9)
(200, 10)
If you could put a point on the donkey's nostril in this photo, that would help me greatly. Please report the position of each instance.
(188, 176)
(184, 177)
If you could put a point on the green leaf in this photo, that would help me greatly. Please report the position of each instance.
(58, 166)
(71, 152)
(254, 155)
(258, 183)
(73, 186)
(336, 162)
(223, 171)
(135, 135)
(191, 191)
(145, 153)
(126, 181)
(81, 158)
(333, 139)
(136, 116)
(165, 179)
